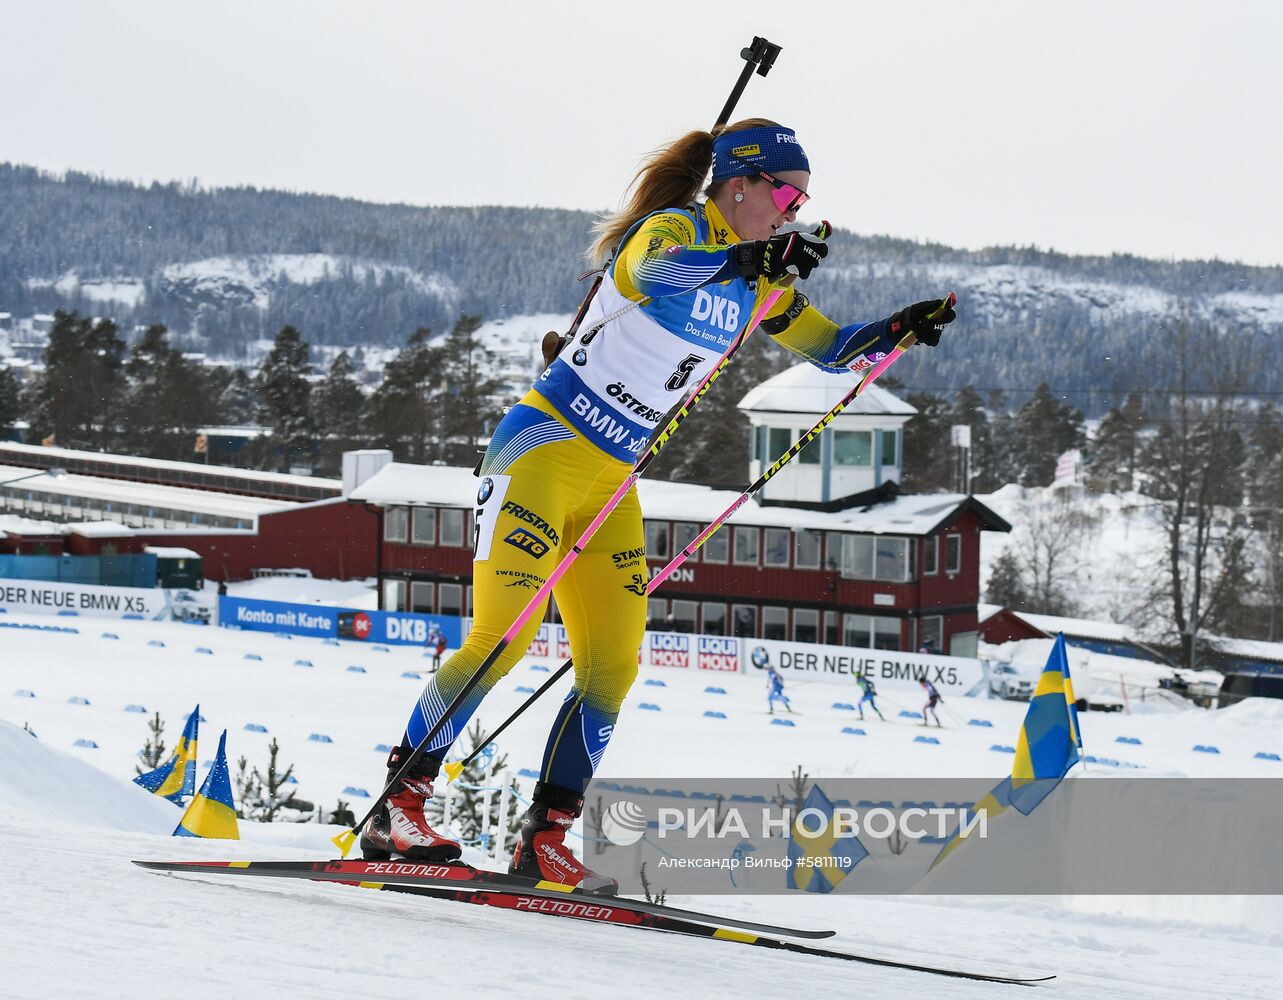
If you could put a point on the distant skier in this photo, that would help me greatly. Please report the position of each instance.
(870, 692)
(775, 690)
(933, 699)
(438, 648)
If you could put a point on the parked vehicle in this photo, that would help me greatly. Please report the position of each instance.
(1006, 682)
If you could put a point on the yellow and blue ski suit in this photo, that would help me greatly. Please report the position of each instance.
(669, 306)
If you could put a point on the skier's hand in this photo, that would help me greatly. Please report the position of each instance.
(788, 253)
(925, 319)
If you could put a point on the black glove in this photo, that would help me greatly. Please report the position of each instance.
(787, 253)
(926, 319)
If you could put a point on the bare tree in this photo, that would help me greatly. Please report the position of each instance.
(1194, 466)
(1051, 543)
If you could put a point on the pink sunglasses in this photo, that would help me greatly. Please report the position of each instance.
(787, 198)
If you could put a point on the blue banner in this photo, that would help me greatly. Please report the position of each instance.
(277, 616)
(394, 628)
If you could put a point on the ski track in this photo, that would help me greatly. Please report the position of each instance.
(90, 924)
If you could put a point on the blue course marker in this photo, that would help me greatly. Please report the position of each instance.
(136, 708)
(354, 669)
(359, 793)
(76, 699)
(781, 722)
(87, 744)
(251, 656)
(653, 683)
(302, 663)
(255, 727)
(981, 722)
(525, 690)
(714, 690)
(999, 748)
(647, 706)
(926, 739)
(906, 714)
(1206, 748)
(843, 706)
(319, 738)
(710, 714)
(1127, 739)
(1264, 755)
(853, 731)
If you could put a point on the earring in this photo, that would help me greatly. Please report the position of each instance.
(739, 197)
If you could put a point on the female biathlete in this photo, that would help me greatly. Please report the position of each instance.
(685, 280)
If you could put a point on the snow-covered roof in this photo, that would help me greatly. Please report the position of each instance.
(805, 389)
(170, 552)
(1255, 649)
(14, 449)
(152, 495)
(400, 484)
(1107, 631)
(100, 529)
(986, 611)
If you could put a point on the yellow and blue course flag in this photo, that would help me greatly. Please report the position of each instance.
(1049, 738)
(212, 813)
(818, 858)
(1049, 745)
(177, 776)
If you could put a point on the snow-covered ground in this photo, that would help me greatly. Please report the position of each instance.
(91, 924)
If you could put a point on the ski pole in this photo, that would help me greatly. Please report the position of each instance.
(347, 838)
(872, 375)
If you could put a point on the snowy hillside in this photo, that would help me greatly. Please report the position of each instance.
(104, 928)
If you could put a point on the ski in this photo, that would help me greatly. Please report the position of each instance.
(462, 883)
(462, 877)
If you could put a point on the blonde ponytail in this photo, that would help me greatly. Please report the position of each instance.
(671, 178)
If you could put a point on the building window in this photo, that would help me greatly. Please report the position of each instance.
(683, 616)
(452, 527)
(857, 557)
(717, 548)
(853, 448)
(777, 547)
(714, 619)
(451, 599)
(963, 644)
(876, 557)
(657, 539)
(806, 625)
(890, 447)
(831, 636)
(745, 621)
(806, 550)
(931, 555)
(656, 609)
(684, 532)
(393, 595)
(953, 553)
(469, 600)
(833, 551)
(746, 541)
(812, 454)
(421, 595)
(425, 526)
(893, 559)
(932, 631)
(872, 632)
(775, 623)
(778, 441)
(395, 524)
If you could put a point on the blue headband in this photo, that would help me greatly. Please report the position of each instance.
(772, 148)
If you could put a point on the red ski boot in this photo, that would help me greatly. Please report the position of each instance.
(541, 853)
(401, 827)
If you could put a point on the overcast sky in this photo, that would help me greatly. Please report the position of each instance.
(1088, 127)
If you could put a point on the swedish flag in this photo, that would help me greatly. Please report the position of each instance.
(1048, 746)
(818, 858)
(213, 812)
(1049, 738)
(177, 776)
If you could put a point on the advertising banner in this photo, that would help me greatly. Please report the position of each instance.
(278, 616)
(50, 598)
(395, 628)
(957, 675)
